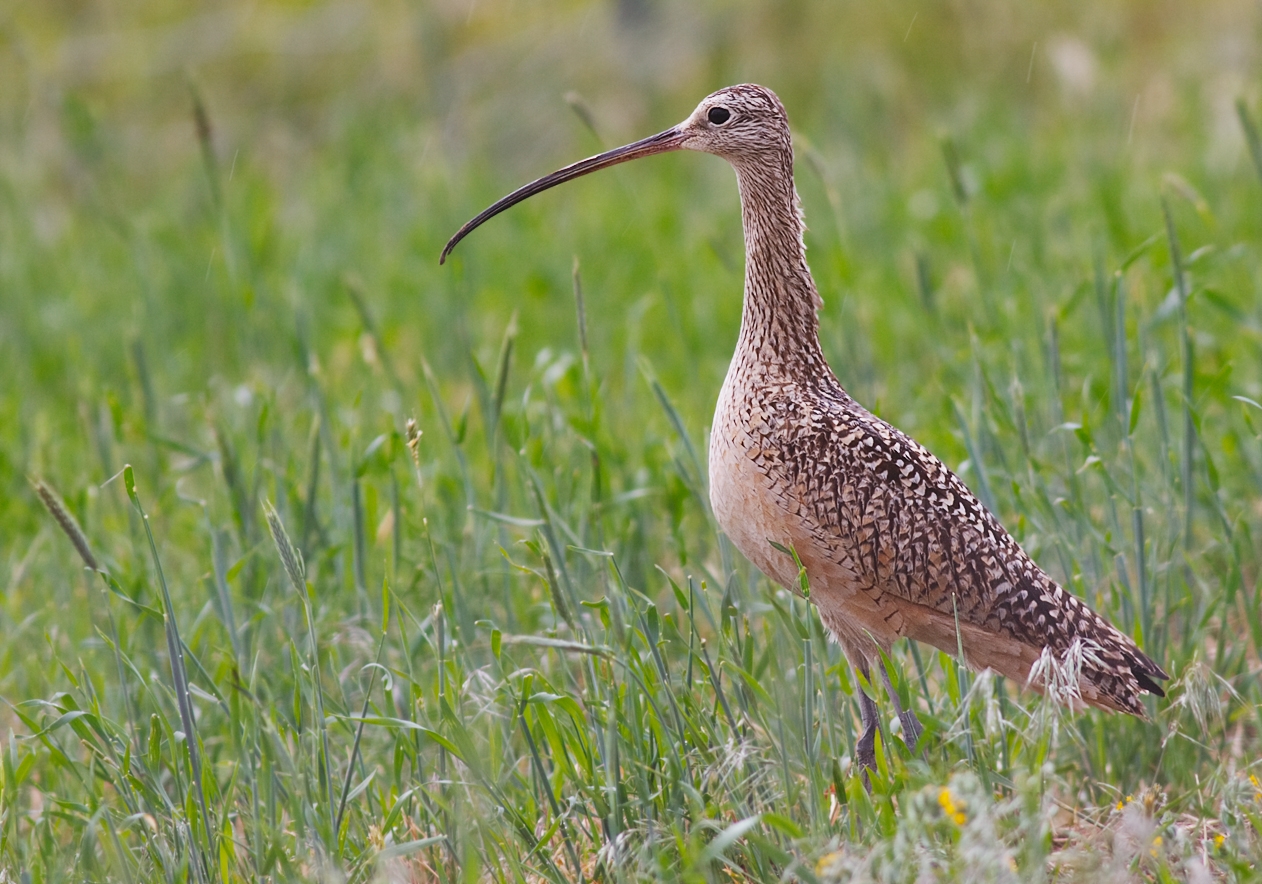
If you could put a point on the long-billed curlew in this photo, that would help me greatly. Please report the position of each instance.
(893, 542)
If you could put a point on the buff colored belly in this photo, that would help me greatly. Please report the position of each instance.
(747, 511)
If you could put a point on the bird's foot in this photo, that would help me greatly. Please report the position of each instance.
(865, 750)
(912, 731)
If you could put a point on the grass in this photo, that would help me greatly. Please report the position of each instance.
(507, 642)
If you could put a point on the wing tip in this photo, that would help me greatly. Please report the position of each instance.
(1148, 677)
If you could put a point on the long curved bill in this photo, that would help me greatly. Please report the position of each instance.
(671, 139)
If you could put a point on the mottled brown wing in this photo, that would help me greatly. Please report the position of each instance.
(910, 527)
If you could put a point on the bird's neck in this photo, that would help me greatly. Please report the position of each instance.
(779, 321)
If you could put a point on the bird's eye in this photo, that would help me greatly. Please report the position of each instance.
(719, 115)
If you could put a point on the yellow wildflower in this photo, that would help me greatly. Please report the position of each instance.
(825, 861)
(959, 819)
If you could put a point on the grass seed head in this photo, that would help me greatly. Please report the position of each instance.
(69, 525)
(413, 432)
(290, 556)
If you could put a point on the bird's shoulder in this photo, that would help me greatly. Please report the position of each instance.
(830, 434)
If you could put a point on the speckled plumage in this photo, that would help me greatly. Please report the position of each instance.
(894, 544)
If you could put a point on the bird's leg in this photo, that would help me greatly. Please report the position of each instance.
(912, 728)
(868, 716)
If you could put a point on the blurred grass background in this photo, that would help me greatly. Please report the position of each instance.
(218, 263)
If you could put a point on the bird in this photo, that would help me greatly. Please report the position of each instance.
(893, 543)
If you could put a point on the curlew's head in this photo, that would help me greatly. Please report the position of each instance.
(743, 124)
(738, 123)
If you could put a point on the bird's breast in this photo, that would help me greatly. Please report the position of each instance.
(762, 425)
(754, 507)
